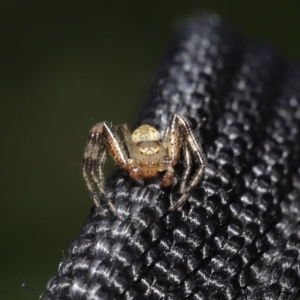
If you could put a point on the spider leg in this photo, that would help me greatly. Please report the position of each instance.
(88, 167)
(172, 141)
(94, 159)
(187, 170)
(127, 135)
(197, 151)
(98, 177)
(168, 177)
(180, 201)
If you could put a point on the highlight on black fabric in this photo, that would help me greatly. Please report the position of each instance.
(238, 236)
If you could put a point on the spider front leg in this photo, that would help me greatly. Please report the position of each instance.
(196, 148)
(94, 159)
(179, 127)
(89, 170)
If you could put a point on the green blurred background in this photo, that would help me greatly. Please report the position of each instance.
(65, 65)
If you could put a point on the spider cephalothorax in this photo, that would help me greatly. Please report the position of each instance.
(146, 154)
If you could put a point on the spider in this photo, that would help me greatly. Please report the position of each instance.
(144, 156)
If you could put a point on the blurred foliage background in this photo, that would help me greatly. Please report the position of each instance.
(65, 65)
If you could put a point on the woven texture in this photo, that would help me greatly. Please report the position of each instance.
(238, 235)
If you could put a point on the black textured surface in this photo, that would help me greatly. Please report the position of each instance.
(238, 235)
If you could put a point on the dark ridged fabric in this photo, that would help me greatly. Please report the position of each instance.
(238, 235)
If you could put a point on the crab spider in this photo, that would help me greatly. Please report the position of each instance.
(144, 156)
